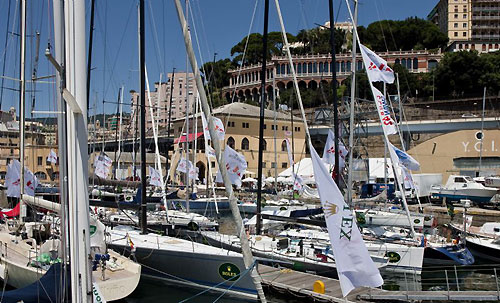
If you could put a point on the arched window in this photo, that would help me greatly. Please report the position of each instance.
(360, 65)
(278, 69)
(288, 69)
(348, 68)
(299, 68)
(41, 175)
(342, 66)
(403, 62)
(397, 61)
(282, 68)
(415, 63)
(326, 67)
(408, 63)
(321, 67)
(245, 145)
(55, 176)
(315, 67)
(264, 144)
(310, 68)
(230, 142)
(283, 146)
(2, 175)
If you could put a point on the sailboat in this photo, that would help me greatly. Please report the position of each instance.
(176, 260)
(24, 260)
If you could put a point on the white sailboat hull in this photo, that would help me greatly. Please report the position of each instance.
(402, 258)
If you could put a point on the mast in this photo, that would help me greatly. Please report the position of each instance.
(233, 204)
(142, 59)
(120, 130)
(22, 96)
(482, 134)
(75, 97)
(353, 102)
(91, 40)
(186, 144)
(334, 80)
(61, 135)
(258, 225)
(169, 118)
(118, 113)
(275, 114)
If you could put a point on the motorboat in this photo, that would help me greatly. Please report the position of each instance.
(463, 187)
(185, 262)
(392, 217)
(483, 241)
(492, 182)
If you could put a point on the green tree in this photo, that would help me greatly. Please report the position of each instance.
(317, 41)
(412, 33)
(254, 49)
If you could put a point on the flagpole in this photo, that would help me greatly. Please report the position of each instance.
(263, 91)
(22, 94)
(333, 68)
(353, 101)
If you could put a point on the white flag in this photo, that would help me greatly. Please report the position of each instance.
(210, 152)
(102, 164)
(388, 124)
(376, 67)
(405, 159)
(154, 177)
(298, 183)
(52, 157)
(13, 180)
(184, 166)
(408, 179)
(355, 268)
(329, 151)
(219, 127)
(193, 173)
(236, 165)
(289, 150)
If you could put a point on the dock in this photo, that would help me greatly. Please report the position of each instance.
(300, 284)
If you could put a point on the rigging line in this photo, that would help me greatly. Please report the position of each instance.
(381, 27)
(203, 33)
(389, 26)
(8, 40)
(238, 76)
(155, 36)
(119, 46)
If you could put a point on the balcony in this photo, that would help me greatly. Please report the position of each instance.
(491, 17)
(486, 37)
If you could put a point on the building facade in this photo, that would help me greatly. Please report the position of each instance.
(469, 24)
(183, 91)
(315, 70)
(242, 133)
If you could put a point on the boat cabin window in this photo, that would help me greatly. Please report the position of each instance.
(460, 180)
(468, 179)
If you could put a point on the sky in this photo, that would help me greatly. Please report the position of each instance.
(218, 25)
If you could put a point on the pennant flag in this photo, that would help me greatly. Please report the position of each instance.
(193, 173)
(154, 177)
(405, 159)
(298, 183)
(329, 151)
(52, 158)
(376, 67)
(210, 152)
(102, 164)
(13, 180)
(289, 150)
(388, 124)
(236, 165)
(184, 166)
(408, 179)
(219, 127)
(355, 268)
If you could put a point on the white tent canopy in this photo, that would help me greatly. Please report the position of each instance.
(303, 168)
(376, 166)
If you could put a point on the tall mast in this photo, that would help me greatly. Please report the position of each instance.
(142, 59)
(75, 96)
(482, 133)
(186, 144)
(334, 87)
(169, 119)
(118, 113)
(353, 102)
(22, 96)
(233, 204)
(91, 40)
(58, 7)
(258, 226)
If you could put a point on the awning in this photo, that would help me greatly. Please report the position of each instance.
(191, 137)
